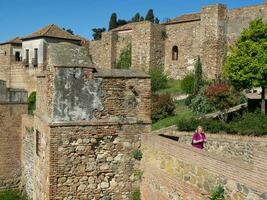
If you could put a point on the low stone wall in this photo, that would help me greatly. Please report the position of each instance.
(178, 171)
(27, 154)
(231, 146)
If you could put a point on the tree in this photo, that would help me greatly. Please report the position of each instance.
(113, 21)
(150, 16)
(69, 30)
(136, 18)
(121, 22)
(246, 66)
(198, 76)
(142, 18)
(97, 32)
(156, 20)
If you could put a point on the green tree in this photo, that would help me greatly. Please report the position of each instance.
(136, 18)
(246, 66)
(69, 30)
(121, 22)
(150, 16)
(113, 21)
(156, 20)
(198, 76)
(97, 33)
(142, 18)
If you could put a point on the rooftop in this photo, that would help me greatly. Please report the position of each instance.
(52, 31)
(15, 40)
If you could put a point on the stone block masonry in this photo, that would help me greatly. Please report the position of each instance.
(10, 143)
(82, 141)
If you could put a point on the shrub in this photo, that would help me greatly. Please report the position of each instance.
(200, 104)
(198, 76)
(209, 125)
(217, 193)
(135, 195)
(188, 83)
(125, 59)
(137, 154)
(12, 195)
(250, 124)
(158, 79)
(31, 103)
(162, 106)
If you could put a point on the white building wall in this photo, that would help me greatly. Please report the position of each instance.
(31, 45)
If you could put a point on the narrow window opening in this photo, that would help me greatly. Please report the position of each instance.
(174, 53)
(17, 56)
(37, 142)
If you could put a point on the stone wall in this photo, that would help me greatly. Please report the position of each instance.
(27, 154)
(178, 171)
(186, 37)
(5, 56)
(10, 143)
(234, 147)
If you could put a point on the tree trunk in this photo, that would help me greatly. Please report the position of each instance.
(263, 106)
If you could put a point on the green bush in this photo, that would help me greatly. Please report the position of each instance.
(137, 154)
(188, 83)
(158, 79)
(31, 103)
(125, 59)
(12, 195)
(162, 106)
(135, 195)
(217, 193)
(200, 105)
(250, 124)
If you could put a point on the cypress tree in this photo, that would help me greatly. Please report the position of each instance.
(113, 21)
(97, 33)
(156, 20)
(121, 22)
(136, 18)
(142, 19)
(150, 16)
(198, 76)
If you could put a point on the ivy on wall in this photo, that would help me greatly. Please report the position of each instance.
(125, 59)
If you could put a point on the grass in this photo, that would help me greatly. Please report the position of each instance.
(11, 195)
(181, 112)
(173, 87)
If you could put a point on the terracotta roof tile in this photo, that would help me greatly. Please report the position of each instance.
(16, 40)
(52, 31)
(185, 18)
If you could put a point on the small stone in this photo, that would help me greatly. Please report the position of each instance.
(82, 187)
(104, 185)
(62, 179)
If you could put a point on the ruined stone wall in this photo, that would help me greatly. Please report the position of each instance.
(180, 171)
(238, 19)
(5, 56)
(100, 51)
(27, 154)
(10, 143)
(186, 37)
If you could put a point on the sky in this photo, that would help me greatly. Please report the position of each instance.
(22, 17)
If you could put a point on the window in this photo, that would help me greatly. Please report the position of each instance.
(174, 53)
(27, 56)
(35, 59)
(37, 142)
(17, 56)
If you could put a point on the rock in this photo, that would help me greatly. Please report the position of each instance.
(81, 187)
(104, 185)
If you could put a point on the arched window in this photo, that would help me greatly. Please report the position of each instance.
(175, 53)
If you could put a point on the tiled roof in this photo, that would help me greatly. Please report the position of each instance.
(52, 31)
(16, 40)
(185, 18)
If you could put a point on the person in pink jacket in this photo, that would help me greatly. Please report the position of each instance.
(199, 138)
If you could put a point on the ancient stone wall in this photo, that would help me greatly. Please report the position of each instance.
(5, 56)
(186, 37)
(27, 154)
(238, 19)
(179, 171)
(10, 143)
